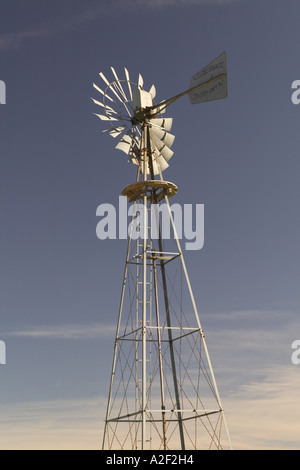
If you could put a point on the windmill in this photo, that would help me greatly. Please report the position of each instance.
(162, 392)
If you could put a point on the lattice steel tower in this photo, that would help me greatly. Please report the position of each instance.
(163, 393)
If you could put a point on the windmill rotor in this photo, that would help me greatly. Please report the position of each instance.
(125, 106)
(129, 109)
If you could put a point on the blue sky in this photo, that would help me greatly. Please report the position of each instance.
(60, 284)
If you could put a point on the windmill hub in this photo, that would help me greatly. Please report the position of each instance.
(141, 115)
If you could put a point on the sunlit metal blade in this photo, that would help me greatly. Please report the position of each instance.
(115, 132)
(163, 136)
(160, 161)
(110, 86)
(140, 81)
(165, 123)
(119, 84)
(152, 91)
(104, 78)
(117, 94)
(128, 82)
(162, 148)
(166, 153)
(135, 148)
(105, 106)
(101, 91)
(132, 159)
(155, 167)
(125, 143)
(106, 118)
(160, 109)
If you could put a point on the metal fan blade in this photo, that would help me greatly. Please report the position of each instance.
(165, 123)
(101, 91)
(110, 86)
(116, 131)
(161, 161)
(104, 78)
(132, 159)
(106, 118)
(108, 108)
(152, 91)
(128, 82)
(162, 148)
(160, 110)
(155, 167)
(159, 143)
(116, 92)
(125, 143)
(119, 83)
(163, 136)
(140, 81)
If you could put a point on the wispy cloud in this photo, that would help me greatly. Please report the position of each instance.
(261, 414)
(50, 28)
(264, 414)
(66, 332)
(258, 384)
(94, 11)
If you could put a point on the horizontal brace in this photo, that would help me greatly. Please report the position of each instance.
(123, 418)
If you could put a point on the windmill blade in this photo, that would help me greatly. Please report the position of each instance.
(106, 118)
(128, 82)
(162, 146)
(161, 109)
(163, 136)
(119, 83)
(104, 78)
(140, 81)
(105, 106)
(129, 143)
(161, 162)
(125, 143)
(102, 92)
(155, 167)
(165, 123)
(110, 86)
(135, 149)
(152, 92)
(115, 131)
(210, 83)
(165, 152)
